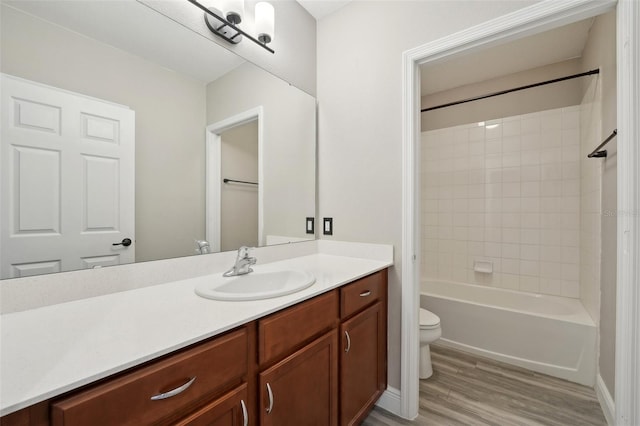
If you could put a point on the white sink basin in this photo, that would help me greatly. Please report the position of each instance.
(255, 285)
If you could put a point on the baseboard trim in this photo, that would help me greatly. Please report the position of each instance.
(606, 402)
(391, 401)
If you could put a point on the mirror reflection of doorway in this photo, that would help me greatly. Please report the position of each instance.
(239, 187)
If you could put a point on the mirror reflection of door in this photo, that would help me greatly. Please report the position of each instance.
(67, 177)
(239, 192)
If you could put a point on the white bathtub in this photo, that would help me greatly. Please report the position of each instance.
(548, 334)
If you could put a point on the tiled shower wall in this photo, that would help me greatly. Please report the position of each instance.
(507, 192)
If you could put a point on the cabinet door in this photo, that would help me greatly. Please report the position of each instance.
(362, 363)
(302, 389)
(228, 410)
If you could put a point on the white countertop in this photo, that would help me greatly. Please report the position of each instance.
(53, 349)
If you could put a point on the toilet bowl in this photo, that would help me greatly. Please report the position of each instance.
(430, 331)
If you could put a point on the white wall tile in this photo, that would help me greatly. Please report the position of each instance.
(511, 128)
(511, 235)
(510, 281)
(492, 249)
(530, 284)
(530, 268)
(510, 194)
(551, 139)
(551, 172)
(551, 120)
(570, 118)
(511, 144)
(511, 189)
(551, 253)
(511, 159)
(511, 220)
(530, 252)
(530, 189)
(530, 123)
(530, 236)
(530, 173)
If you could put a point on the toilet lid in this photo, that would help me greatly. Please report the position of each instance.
(428, 319)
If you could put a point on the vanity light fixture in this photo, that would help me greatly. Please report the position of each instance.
(224, 23)
(265, 22)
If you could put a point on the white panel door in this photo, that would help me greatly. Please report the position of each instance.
(66, 180)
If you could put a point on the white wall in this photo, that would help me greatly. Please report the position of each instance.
(508, 194)
(600, 52)
(170, 121)
(289, 142)
(360, 118)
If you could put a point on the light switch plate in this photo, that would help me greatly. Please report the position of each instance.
(311, 228)
(327, 226)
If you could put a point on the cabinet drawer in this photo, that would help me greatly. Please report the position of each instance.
(126, 400)
(361, 293)
(281, 333)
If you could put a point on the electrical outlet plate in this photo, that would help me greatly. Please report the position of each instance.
(327, 226)
(311, 229)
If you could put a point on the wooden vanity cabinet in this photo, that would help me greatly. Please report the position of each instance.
(321, 362)
(363, 347)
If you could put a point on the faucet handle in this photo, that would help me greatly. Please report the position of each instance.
(243, 252)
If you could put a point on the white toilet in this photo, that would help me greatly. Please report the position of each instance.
(430, 331)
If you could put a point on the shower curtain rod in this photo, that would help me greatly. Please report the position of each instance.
(515, 89)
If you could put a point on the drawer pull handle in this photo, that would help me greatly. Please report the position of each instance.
(365, 293)
(346, 333)
(245, 416)
(270, 393)
(173, 392)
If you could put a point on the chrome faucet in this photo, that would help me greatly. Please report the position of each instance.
(243, 263)
(202, 247)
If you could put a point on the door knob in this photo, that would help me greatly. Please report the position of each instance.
(125, 242)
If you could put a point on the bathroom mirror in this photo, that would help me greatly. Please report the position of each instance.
(173, 102)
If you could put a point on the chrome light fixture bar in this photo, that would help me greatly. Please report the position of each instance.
(226, 29)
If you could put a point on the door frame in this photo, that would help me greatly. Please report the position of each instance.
(213, 175)
(536, 18)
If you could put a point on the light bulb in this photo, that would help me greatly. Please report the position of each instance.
(265, 22)
(234, 11)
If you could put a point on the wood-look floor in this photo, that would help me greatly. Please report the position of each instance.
(470, 390)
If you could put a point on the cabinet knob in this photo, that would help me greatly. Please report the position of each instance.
(346, 334)
(270, 393)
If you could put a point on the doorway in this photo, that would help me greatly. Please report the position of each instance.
(234, 181)
(239, 192)
(531, 20)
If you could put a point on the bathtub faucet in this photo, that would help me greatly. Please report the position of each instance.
(243, 263)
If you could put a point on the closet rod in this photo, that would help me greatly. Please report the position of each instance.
(515, 89)
(225, 180)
